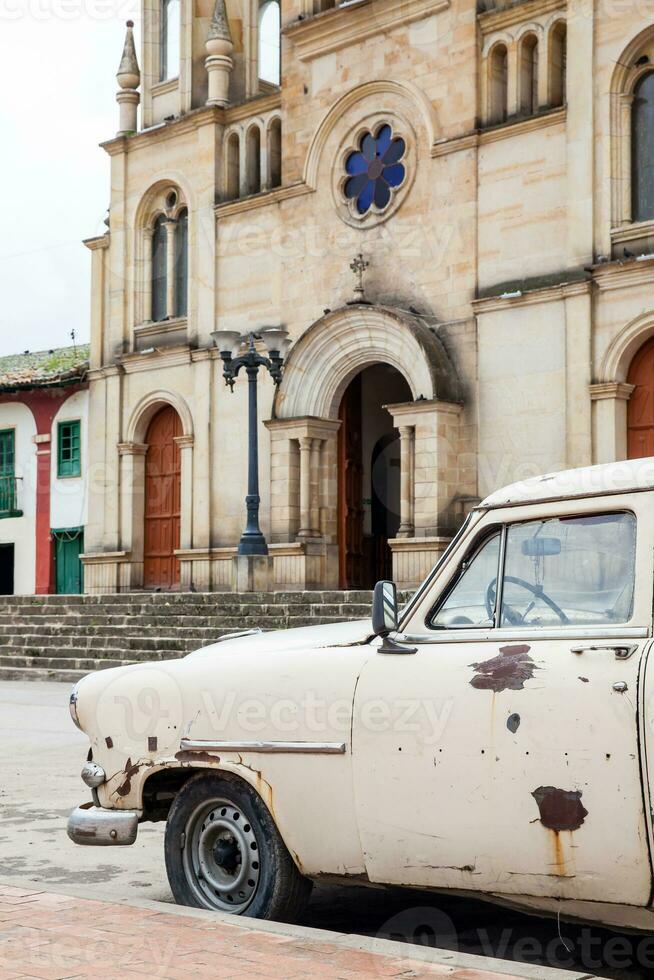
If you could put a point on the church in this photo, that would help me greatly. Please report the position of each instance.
(444, 207)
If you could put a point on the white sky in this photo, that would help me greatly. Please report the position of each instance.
(58, 62)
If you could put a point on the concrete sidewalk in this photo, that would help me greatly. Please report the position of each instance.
(51, 935)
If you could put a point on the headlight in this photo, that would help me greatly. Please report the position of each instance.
(93, 775)
(72, 706)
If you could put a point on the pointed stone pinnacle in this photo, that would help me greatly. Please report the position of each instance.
(219, 26)
(128, 74)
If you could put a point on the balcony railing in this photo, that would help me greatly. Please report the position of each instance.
(9, 497)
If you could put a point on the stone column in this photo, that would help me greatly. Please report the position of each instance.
(148, 235)
(185, 444)
(609, 400)
(406, 529)
(316, 445)
(171, 227)
(543, 80)
(512, 70)
(624, 150)
(98, 247)
(131, 457)
(243, 166)
(305, 487)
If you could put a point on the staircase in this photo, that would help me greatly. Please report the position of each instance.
(61, 638)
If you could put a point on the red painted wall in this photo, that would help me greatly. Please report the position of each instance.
(44, 404)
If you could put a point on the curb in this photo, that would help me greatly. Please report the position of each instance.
(381, 947)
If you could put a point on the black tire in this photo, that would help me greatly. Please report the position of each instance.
(224, 852)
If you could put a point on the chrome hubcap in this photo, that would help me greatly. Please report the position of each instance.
(221, 857)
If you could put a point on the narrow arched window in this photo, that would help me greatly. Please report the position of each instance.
(159, 277)
(253, 160)
(642, 150)
(275, 152)
(269, 48)
(233, 167)
(169, 42)
(181, 264)
(498, 74)
(557, 65)
(529, 74)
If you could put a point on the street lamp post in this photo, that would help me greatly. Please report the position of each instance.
(230, 343)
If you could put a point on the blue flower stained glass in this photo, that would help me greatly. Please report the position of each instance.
(374, 169)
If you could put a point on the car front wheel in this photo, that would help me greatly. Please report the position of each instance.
(224, 852)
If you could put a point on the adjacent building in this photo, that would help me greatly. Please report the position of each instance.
(43, 471)
(449, 205)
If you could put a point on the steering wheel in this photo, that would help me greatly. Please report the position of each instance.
(515, 618)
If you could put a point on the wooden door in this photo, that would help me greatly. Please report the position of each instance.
(350, 489)
(640, 409)
(162, 501)
(69, 571)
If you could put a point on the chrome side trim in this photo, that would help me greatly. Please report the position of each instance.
(502, 635)
(94, 825)
(304, 748)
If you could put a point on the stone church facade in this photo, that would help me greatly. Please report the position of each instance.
(449, 206)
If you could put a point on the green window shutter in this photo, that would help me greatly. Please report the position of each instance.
(7, 471)
(69, 455)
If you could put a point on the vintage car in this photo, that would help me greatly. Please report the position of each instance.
(494, 739)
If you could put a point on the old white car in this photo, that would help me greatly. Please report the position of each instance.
(495, 739)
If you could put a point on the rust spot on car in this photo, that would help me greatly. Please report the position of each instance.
(109, 742)
(560, 809)
(152, 743)
(508, 671)
(186, 756)
(130, 770)
(513, 722)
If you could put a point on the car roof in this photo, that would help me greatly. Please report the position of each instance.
(627, 476)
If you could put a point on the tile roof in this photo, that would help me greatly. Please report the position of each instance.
(46, 368)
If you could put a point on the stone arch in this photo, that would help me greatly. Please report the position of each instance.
(345, 341)
(148, 407)
(620, 352)
(626, 75)
(334, 116)
(153, 205)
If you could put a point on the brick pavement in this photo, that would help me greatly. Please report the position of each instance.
(53, 936)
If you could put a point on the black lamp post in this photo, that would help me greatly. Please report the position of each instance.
(230, 343)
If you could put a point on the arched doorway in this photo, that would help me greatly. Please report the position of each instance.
(162, 501)
(368, 475)
(640, 409)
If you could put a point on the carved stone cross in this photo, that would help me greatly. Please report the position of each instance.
(358, 265)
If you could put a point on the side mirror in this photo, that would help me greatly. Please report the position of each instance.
(384, 608)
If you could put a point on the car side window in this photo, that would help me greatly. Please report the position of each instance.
(576, 571)
(470, 601)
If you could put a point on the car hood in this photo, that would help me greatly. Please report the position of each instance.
(301, 638)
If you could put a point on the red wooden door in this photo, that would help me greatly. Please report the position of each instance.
(162, 501)
(640, 410)
(350, 489)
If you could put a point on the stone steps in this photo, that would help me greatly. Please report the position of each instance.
(64, 637)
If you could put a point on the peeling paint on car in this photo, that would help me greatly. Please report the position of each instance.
(560, 809)
(508, 671)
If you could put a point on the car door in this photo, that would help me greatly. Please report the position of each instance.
(502, 755)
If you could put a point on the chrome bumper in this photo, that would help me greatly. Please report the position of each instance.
(89, 824)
